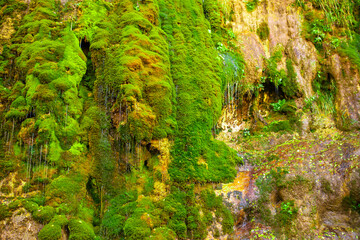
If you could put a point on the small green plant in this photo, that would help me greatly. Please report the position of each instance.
(300, 3)
(246, 132)
(288, 208)
(286, 213)
(350, 202)
(271, 72)
(251, 5)
(278, 106)
(221, 47)
(338, 12)
(335, 43)
(325, 88)
(263, 31)
(352, 50)
(309, 102)
(316, 31)
(231, 34)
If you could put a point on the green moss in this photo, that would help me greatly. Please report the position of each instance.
(60, 220)
(43, 214)
(115, 217)
(251, 5)
(263, 31)
(199, 98)
(18, 102)
(290, 84)
(55, 149)
(138, 72)
(90, 22)
(46, 72)
(135, 228)
(4, 212)
(14, 205)
(271, 72)
(213, 13)
(179, 228)
(141, 122)
(215, 204)
(80, 230)
(286, 214)
(149, 185)
(50, 231)
(15, 114)
(30, 206)
(44, 94)
(77, 149)
(352, 50)
(277, 126)
(162, 233)
(64, 193)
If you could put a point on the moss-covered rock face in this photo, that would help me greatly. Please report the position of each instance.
(111, 112)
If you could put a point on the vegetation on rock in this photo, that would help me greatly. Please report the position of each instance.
(112, 112)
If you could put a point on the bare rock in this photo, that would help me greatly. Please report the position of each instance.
(348, 92)
(20, 226)
(304, 56)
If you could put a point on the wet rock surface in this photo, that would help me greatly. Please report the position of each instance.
(322, 176)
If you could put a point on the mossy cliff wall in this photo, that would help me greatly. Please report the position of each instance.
(110, 110)
(107, 115)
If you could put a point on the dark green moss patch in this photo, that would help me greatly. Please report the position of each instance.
(263, 31)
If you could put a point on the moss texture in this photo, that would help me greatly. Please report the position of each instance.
(109, 110)
(96, 84)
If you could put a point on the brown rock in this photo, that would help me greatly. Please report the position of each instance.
(20, 226)
(304, 56)
(348, 92)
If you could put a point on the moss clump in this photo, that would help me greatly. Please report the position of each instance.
(80, 230)
(135, 228)
(63, 193)
(50, 231)
(163, 233)
(290, 84)
(60, 220)
(138, 75)
(277, 126)
(271, 72)
(4, 212)
(115, 217)
(14, 205)
(251, 5)
(30, 206)
(43, 214)
(263, 31)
